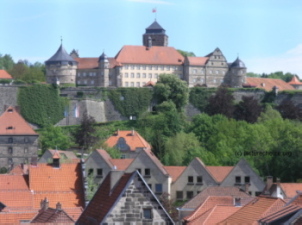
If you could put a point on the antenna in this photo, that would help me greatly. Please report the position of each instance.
(61, 39)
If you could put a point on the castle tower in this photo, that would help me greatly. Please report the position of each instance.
(104, 70)
(157, 35)
(61, 68)
(237, 73)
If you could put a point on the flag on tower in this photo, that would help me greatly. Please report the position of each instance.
(154, 10)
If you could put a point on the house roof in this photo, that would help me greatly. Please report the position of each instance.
(150, 84)
(215, 191)
(93, 63)
(175, 171)
(155, 27)
(133, 141)
(284, 211)
(64, 154)
(219, 172)
(5, 75)
(295, 81)
(197, 61)
(268, 83)
(290, 189)
(121, 164)
(237, 64)
(60, 56)
(297, 200)
(62, 184)
(155, 55)
(214, 215)
(12, 123)
(255, 210)
(9, 218)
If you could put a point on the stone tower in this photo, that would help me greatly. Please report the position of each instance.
(61, 68)
(104, 70)
(237, 73)
(157, 35)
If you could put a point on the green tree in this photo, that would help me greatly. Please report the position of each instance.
(53, 137)
(289, 110)
(185, 53)
(170, 87)
(248, 109)
(6, 62)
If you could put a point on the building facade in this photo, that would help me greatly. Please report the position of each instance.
(135, 66)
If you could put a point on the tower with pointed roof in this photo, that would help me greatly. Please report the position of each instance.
(103, 70)
(61, 68)
(157, 35)
(237, 74)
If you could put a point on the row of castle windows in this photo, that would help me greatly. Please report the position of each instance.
(86, 82)
(222, 72)
(152, 67)
(138, 75)
(10, 150)
(11, 140)
(84, 74)
(131, 84)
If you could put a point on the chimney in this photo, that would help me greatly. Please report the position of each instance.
(115, 176)
(278, 181)
(56, 160)
(237, 202)
(247, 187)
(132, 132)
(58, 206)
(44, 204)
(269, 182)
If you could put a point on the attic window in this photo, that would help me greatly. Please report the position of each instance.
(9, 128)
(10, 110)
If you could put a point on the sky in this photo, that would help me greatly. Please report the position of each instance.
(265, 34)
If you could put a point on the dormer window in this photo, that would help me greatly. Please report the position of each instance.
(9, 128)
(10, 110)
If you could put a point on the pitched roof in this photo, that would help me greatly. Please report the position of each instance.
(5, 75)
(268, 83)
(297, 200)
(150, 84)
(9, 218)
(154, 26)
(295, 81)
(290, 189)
(60, 56)
(12, 123)
(133, 141)
(215, 191)
(64, 154)
(219, 172)
(93, 63)
(197, 61)
(155, 55)
(175, 171)
(62, 184)
(255, 210)
(284, 211)
(121, 164)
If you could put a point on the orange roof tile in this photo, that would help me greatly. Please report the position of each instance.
(5, 75)
(255, 210)
(93, 63)
(121, 164)
(150, 84)
(297, 200)
(12, 123)
(295, 81)
(62, 184)
(56, 155)
(175, 171)
(219, 172)
(290, 189)
(13, 218)
(133, 141)
(197, 61)
(156, 55)
(268, 83)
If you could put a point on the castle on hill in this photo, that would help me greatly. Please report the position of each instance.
(141, 65)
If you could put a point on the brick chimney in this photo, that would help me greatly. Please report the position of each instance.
(269, 183)
(44, 204)
(237, 201)
(58, 206)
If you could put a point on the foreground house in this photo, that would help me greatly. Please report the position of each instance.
(18, 140)
(124, 197)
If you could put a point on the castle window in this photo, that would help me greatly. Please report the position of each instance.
(10, 161)
(144, 67)
(212, 63)
(222, 64)
(161, 67)
(138, 67)
(150, 75)
(79, 82)
(156, 67)
(168, 68)
(10, 150)
(126, 75)
(144, 75)
(194, 71)
(79, 74)
(138, 75)
(25, 140)
(138, 84)
(214, 81)
(210, 71)
(132, 84)
(217, 72)
(10, 140)
(147, 213)
(25, 150)
(126, 84)
(222, 72)
(150, 67)
(156, 75)
(132, 75)
(126, 67)
(202, 71)
(144, 83)
(84, 74)
(132, 67)
(194, 80)
(92, 82)
(85, 81)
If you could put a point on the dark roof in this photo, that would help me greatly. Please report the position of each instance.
(284, 213)
(60, 56)
(237, 64)
(103, 57)
(211, 53)
(155, 28)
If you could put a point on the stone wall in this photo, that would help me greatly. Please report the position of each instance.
(8, 96)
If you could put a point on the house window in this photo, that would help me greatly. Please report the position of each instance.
(217, 72)
(79, 82)
(10, 150)
(199, 179)
(126, 67)
(168, 68)
(238, 180)
(190, 179)
(92, 82)
(144, 83)
(156, 75)
(158, 188)
(150, 75)
(161, 67)
(123, 156)
(10, 140)
(84, 74)
(79, 74)
(90, 172)
(194, 71)
(132, 75)
(143, 67)
(139, 170)
(147, 213)
(179, 195)
(147, 172)
(150, 186)
(190, 194)
(247, 179)
(210, 71)
(126, 75)
(138, 75)
(9, 128)
(99, 172)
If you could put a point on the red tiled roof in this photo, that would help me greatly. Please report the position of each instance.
(297, 200)
(255, 210)
(12, 123)
(133, 141)
(290, 209)
(268, 83)
(295, 81)
(12, 218)
(216, 191)
(5, 75)
(290, 189)
(197, 61)
(150, 84)
(62, 184)
(93, 63)
(121, 164)
(156, 55)
(103, 200)
(219, 172)
(175, 171)
(65, 154)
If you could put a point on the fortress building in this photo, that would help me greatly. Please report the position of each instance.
(138, 65)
